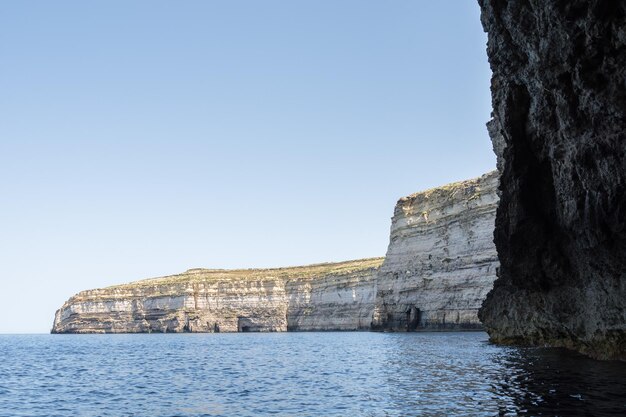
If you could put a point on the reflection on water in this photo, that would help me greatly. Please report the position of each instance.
(340, 374)
(471, 377)
(557, 382)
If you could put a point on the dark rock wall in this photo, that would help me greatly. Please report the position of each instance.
(559, 119)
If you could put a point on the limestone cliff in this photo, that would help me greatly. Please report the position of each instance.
(335, 296)
(440, 264)
(559, 129)
(441, 260)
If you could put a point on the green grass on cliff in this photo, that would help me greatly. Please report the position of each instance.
(296, 272)
(465, 188)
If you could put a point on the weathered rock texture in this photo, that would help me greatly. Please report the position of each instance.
(559, 128)
(441, 260)
(338, 296)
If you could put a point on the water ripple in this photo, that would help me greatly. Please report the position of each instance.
(299, 374)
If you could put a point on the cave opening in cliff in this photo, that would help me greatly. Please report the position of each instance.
(244, 325)
(413, 318)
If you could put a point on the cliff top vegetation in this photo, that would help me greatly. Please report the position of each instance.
(313, 271)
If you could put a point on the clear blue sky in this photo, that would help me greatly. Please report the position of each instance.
(143, 138)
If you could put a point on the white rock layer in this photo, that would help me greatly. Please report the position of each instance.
(337, 296)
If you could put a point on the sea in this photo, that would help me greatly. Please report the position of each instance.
(300, 374)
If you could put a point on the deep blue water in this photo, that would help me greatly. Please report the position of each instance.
(299, 374)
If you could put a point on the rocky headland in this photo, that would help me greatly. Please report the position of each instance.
(559, 131)
(440, 264)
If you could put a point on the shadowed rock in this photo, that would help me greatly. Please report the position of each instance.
(559, 129)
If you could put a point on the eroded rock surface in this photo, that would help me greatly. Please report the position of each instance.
(441, 260)
(559, 128)
(337, 296)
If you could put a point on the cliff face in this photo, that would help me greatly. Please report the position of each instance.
(559, 128)
(336, 296)
(337, 302)
(440, 264)
(441, 260)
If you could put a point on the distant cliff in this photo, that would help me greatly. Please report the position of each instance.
(441, 261)
(334, 296)
(440, 264)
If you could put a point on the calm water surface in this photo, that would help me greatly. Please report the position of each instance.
(299, 374)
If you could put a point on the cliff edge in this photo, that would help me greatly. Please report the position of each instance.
(441, 260)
